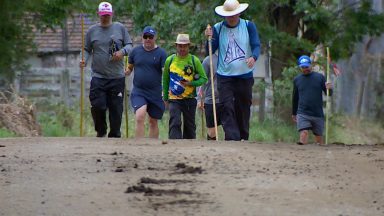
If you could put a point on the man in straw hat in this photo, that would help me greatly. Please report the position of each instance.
(238, 45)
(107, 43)
(183, 72)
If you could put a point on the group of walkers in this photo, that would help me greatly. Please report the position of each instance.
(162, 80)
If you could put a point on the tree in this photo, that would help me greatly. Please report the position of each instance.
(20, 18)
(293, 27)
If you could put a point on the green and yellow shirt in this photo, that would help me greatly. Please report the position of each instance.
(188, 68)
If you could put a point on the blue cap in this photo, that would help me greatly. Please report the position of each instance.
(304, 61)
(149, 30)
(175, 85)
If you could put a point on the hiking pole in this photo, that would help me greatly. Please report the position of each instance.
(126, 100)
(212, 83)
(82, 78)
(327, 102)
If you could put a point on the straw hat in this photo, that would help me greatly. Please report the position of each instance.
(231, 8)
(182, 39)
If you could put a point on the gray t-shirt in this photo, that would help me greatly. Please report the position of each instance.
(207, 87)
(101, 43)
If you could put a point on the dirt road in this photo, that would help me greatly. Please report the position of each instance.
(89, 176)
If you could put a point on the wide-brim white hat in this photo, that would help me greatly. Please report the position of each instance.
(231, 8)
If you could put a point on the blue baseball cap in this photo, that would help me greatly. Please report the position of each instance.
(149, 30)
(304, 61)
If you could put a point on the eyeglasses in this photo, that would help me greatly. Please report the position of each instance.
(304, 67)
(148, 37)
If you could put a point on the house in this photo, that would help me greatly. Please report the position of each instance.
(54, 72)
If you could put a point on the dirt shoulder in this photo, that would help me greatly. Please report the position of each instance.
(89, 176)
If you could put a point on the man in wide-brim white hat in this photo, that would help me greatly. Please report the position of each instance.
(238, 45)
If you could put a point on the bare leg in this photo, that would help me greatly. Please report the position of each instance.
(140, 119)
(304, 136)
(211, 132)
(153, 128)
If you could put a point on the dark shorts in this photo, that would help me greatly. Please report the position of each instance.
(305, 122)
(209, 118)
(155, 108)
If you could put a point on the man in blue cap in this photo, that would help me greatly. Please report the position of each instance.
(147, 62)
(307, 101)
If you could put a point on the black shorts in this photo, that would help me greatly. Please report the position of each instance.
(210, 121)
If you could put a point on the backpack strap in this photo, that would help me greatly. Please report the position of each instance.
(193, 62)
(172, 57)
(222, 23)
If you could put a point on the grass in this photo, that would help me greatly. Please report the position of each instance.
(61, 121)
(6, 133)
(272, 130)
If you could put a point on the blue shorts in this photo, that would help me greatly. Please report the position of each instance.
(305, 122)
(155, 108)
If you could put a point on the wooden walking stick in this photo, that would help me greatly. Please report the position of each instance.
(212, 82)
(126, 101)
(82, 78)
(327, 102)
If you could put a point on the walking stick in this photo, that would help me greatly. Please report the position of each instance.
(327, 106)
(126, 101)
(212, 83)
(82, 78)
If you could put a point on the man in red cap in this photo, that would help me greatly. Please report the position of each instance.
(107, 43)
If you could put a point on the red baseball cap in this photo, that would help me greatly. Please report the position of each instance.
(105, 8)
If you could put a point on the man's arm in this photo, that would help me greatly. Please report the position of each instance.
(87, 49)
(127, 42)
(295, 99)
(214, 41)
(254, 40)
(165, 79)
(202, 75)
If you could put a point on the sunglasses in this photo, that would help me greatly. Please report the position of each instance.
(148, 37)
(305, 67)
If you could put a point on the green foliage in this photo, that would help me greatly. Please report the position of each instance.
(272, 130)
(57, 121)
(14, 37)
(6, 133)
(329, 22)
(282, 92)
(342, 129)
(349, 130)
